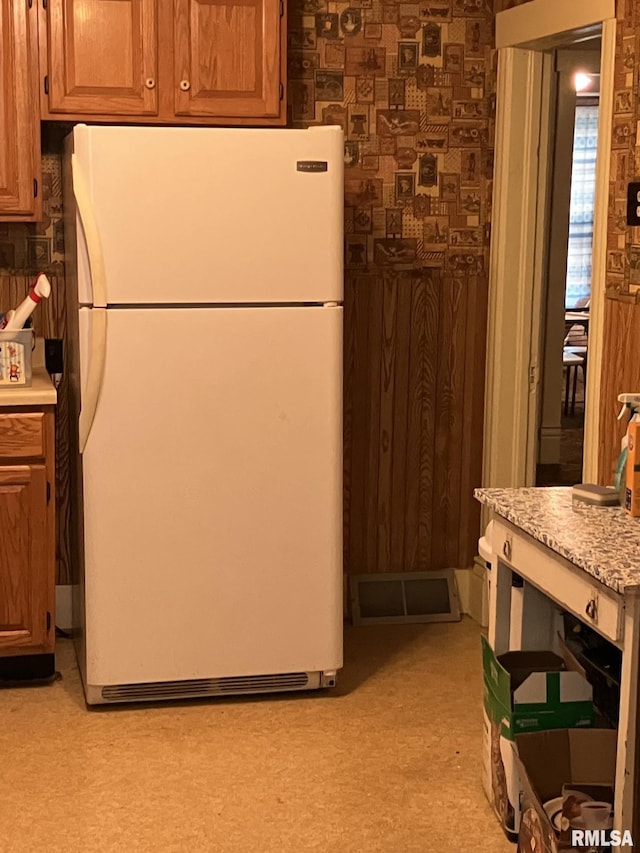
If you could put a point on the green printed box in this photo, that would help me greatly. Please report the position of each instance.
(524, 691)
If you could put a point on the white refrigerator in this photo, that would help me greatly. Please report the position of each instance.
(205, 357)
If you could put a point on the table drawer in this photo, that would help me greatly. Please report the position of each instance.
(21, 435)
(590, 601)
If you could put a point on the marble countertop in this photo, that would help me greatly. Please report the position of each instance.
(604, 541)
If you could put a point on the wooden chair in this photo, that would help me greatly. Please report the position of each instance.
(571, 361)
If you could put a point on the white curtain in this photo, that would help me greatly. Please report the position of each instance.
(583, 180)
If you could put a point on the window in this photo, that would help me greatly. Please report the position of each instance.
(583, 181)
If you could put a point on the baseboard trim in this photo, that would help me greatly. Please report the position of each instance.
(550, 445)
(472, 590)
(64, 619)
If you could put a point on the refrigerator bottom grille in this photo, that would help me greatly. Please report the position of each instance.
(205, 687)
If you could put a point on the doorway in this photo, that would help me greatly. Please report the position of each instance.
(571, 176)
(527, 38)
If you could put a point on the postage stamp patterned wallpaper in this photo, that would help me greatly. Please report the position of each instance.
(411, 84)
(623, 250)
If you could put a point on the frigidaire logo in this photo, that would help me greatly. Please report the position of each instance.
(312, 165)
(599, 839)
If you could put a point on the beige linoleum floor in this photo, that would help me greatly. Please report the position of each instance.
(389, 761)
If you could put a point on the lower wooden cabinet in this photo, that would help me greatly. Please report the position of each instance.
(27, 543)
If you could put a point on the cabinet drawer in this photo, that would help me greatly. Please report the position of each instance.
(590, 601)
(22, 435)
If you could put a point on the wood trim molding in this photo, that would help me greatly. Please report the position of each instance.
(555, 187)
(510, 387)
(543, 19)
(512, 262)
(547, 104)
(599, 256)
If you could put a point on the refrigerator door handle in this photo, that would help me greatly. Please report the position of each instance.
(91, 391)
(91, 234)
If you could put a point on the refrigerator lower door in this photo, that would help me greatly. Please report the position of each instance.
(212, 480)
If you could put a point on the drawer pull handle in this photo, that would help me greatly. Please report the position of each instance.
(506, 549)
(592, 609)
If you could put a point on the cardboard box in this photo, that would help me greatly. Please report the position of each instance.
(556, 762)
(632, 492)
(524, 692)
(601, 665)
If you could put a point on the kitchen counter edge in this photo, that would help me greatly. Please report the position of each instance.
(41, 392)
(603, 541)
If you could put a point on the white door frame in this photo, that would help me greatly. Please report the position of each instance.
(519, 211)
(549, 422)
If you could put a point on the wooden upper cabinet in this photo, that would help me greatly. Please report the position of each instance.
(24, 582)
(164, 61)
(19, 119)
(227, 58)
(103, 57)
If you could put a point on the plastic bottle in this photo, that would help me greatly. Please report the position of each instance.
(630, 407)
(15, 320)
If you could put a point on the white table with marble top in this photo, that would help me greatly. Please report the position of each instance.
(582, 559)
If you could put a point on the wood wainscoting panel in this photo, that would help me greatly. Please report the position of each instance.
(449, 405)
(475, 350)
(397, 316)
(419, 465)
(414, 391)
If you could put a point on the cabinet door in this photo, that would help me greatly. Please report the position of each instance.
(24, 583)
(19, 119)
(227, 58)
(103, 57)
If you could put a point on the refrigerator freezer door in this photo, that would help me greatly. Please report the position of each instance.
(211, 215)
(213, 495)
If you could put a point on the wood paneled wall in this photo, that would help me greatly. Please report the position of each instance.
(620, 373)
(621, 358)
(50, 322)
(414, 388)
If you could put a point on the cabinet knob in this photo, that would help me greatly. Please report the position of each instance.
(150, 83)
(506, 549)
(185, 85)
(592, 609)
